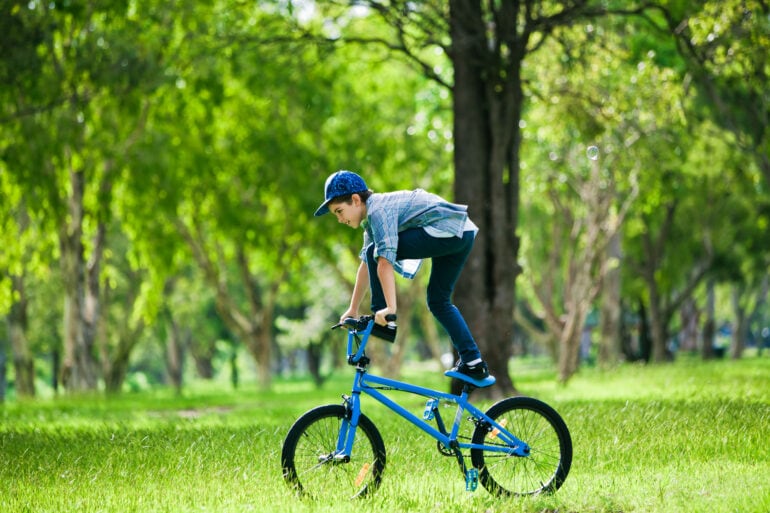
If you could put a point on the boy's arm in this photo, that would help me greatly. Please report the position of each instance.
(359, 290)
(388, 282)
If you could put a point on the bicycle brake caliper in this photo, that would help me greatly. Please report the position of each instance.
(348, 407)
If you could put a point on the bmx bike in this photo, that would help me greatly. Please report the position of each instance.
(519, 446)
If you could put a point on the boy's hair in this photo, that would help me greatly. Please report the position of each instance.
(348, 198)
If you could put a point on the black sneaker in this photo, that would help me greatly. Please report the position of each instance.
(478, 372)
(476, 375)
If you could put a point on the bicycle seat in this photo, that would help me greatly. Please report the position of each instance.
(478, 383)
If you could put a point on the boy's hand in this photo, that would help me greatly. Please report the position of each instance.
(351, 313)
(379, 316)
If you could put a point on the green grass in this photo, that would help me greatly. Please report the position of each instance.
(686, 437)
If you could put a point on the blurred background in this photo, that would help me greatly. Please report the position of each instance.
(160, 162)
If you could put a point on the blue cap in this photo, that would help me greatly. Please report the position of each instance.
(339, 184)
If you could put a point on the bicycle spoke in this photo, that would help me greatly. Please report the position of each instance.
(310, 457)
(550, 455)
(315, 466)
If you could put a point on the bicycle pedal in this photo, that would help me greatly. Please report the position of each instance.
(430, 409)
(471, 480)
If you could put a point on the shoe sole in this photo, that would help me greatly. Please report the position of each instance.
(480, 383)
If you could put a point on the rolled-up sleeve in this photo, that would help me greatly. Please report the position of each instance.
(390, 213)
(384, 230)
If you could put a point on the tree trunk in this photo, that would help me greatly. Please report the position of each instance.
(235, 379)
(654, 246)
(79, 365)
(115, 360)
(610, 341)
(204, 360)
(253, 329)
(315, 351)
(116, 364)
(645, 339)
(739, 336)
(689, 326)
(742, 296)
(487, 109)
(740, 324)
(113, 380)
(259, 335)
(569, 344)
(760, 306)
(23, 362)
(55, 370)
(261, 344)
(177, 341)
(3, 367)
(658, 330)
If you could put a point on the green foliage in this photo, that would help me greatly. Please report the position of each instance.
(227, 117)
(616, 84)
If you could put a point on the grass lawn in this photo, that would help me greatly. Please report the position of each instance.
(686, 437)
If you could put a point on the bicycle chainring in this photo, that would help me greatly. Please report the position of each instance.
(444, 450)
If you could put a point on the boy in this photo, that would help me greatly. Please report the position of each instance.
(402, 226)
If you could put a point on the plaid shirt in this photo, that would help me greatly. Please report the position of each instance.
(394, 212)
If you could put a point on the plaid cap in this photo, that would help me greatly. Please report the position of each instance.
(339, 184)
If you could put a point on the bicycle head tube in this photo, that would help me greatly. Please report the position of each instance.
(358, 331)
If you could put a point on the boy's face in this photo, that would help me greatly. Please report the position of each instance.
(351, 213)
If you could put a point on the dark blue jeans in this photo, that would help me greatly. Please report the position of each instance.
(448, 257)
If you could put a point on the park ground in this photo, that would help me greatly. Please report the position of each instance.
(682, 437)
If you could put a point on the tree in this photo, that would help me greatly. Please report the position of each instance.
(585, 145)
(725, 44)
(487, 45)
(77, 107)
(237, 198)
(584, 220)
(241, 202)
(18, 313)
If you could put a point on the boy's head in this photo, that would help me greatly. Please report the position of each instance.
(339, 184)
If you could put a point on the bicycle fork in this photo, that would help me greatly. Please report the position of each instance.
(348, 427)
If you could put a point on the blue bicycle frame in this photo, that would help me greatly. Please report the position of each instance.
(372, 385)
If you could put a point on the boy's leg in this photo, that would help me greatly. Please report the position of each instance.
(448, 258)
(445, 270)
(378, 298)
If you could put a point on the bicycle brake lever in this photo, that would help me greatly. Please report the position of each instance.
(348, 322)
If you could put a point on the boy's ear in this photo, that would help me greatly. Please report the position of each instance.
(356, 198)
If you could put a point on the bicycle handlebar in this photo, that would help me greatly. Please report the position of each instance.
(362, 322)
(365, 326)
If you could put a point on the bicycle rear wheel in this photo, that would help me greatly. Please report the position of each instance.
(548, 463)
(308, 459)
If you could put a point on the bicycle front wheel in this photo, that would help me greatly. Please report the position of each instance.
(309, 462)
(548, 463)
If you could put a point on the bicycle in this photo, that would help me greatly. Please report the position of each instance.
(519, 446)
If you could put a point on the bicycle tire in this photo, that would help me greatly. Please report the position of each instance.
(313, 437)
(540, 426)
